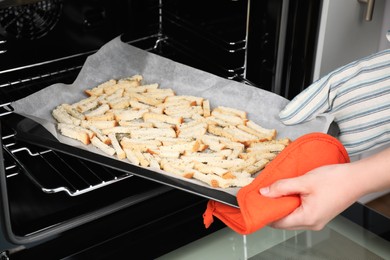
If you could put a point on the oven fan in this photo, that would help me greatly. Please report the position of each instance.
(30, 21)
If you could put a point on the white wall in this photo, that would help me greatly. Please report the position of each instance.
(345, 36)
(384, 43)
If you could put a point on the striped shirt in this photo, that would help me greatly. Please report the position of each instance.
(357, 95)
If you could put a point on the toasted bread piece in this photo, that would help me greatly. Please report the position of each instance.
(117, 94)
(159, 124)
(135, 124)
(163, 118)
(269, 146)
(243, 164)
(229, 118)
(142, 160)
(189, 112)
(260, 135)
(135, 104)
(131, 156)
(241, 182)
(196, 131)
(268, 132)
(104, 117)
(74, 132)
(118, 149)
(119, 103)
(213, 144)
(73, 111)
(231, 111)
(119, 130)
(136, 77)
(164, 153)
(213, 180)
(104, 138)
(62, 116)
(131, 114)
(173, 140)
(224, 163)
(139, 144)
(129, 84)
(180, 147)
(158, 93)
(152, 133)
(102, 146)
(212, 120)
(202, 157)
(257, 166)
(153, 161)
(186, 173)
(218, 131)
(197, 100)
(100, 110)
(145, 99)
(206, 108)
(99, 90)
(233, 145)
(99, 124)
(184, 103)
(177, 162)
(237, 135)
(83, 107)
(207, 169)
(111, 89)
(258, 155)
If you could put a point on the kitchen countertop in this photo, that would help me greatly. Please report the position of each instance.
(340, 239)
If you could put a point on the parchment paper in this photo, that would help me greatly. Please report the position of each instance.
(117, 59)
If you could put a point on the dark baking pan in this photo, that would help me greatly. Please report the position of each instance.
(29, 131)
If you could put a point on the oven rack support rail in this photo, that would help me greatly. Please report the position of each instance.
(57, 172)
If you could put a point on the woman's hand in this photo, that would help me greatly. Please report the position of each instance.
(324, 192)
(328, 190)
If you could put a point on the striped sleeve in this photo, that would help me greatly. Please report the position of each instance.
(357, 95)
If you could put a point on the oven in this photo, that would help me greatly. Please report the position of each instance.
(55, 205)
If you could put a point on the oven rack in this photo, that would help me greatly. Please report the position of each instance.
(177, 50)
(233, 45)
(21, 82)
(235, 73)
(206, 46)
(209, 48)
(54, 171)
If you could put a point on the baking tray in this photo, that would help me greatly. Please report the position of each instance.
(29, 131)
(116, 60)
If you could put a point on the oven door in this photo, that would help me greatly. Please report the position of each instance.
(50, 199)
(143, 226)
(132, 213)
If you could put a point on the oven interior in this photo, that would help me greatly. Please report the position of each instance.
(46, 194)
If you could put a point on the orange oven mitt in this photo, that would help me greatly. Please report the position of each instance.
(255, 211)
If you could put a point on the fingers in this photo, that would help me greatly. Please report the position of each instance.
(283, 188)
(300, 219)
(293, 221)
